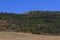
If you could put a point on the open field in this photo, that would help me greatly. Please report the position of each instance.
(25, 36)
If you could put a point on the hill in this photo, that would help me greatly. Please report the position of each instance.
(35, 22)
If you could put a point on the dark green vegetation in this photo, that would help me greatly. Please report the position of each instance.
(36, 22)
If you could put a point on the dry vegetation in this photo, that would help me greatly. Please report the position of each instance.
(25, 36)
(35, 22)
(44, 23)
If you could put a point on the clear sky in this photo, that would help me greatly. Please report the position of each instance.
(20, 6)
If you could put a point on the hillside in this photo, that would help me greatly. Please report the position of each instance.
(35, 22)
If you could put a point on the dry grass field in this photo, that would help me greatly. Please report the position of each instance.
(25, 36)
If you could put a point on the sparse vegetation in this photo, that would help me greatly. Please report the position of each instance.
(36, 22)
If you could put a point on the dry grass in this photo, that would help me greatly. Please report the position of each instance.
(25, 36)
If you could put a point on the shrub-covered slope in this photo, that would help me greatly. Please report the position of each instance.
(36, 22)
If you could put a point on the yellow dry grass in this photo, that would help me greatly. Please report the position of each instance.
(25, 36)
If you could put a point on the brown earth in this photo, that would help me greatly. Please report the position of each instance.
(25, 36)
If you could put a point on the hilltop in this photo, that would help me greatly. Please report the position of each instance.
(35, 22)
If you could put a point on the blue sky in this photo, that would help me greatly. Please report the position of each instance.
(21, 6)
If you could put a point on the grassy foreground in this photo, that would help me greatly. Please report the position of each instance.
(25, 36)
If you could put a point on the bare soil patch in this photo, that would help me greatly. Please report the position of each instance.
(25, 36)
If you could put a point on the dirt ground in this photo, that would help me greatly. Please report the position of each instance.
(25, 36)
